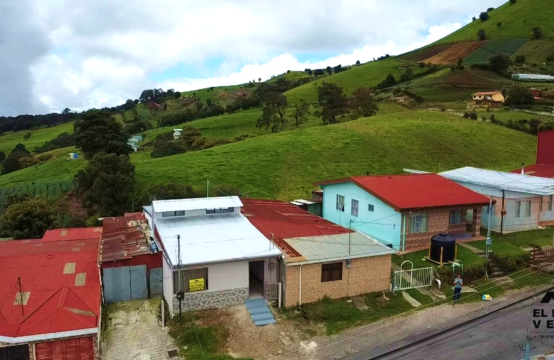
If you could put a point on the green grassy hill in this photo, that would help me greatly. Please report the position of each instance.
(38, 137)
(517, 21)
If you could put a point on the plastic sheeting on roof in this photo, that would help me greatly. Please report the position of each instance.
(213, 238)
(197, 204)
(502, 180)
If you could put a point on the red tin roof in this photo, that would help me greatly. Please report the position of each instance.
(73, 234)
(124, 237)
(415, 191)
(545, 157)
(57, 302)
(278, 220)
(545, 171)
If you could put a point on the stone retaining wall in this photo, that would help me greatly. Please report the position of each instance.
(208, 300)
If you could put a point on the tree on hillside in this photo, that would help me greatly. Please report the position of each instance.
(357, 62)
(388, 82)
(337, 69)
(518, 95)
(363, 103)
(310, 72)
(319, 72)
(474, 18)
(107, 184)
(2, 156)
(499, 63)
(461, 63)
(274, 106)
(98, 132)
(177, 95)
(13, 161)
(482, 34)
(20, 147)
(513, 1)
(332, 101)
(329, 70)
(27, 136)
(259, 80)
(28, 219)
(537, 32)
(484, 16)
(490, 9)
(407, 75)
(301, 112)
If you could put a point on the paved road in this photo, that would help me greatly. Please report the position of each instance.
(496, 336)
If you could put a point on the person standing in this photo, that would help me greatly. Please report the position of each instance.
(458, 282)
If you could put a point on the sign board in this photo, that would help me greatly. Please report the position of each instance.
(196, 285)
(542, 318)
(489, 241)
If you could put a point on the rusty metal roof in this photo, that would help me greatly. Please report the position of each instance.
(124, 237)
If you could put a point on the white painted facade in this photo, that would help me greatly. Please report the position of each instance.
(226, 276)
(168, 283)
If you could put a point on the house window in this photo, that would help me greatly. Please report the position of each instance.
(220, 211)
(455, 217)
(173, 213)
(370, 208)
(331, 272)
(193, 280)
(419, 223)
(179, 213)
(528, 208)
(340, 203)
(354, 209)
(518, 209)
(550, 203)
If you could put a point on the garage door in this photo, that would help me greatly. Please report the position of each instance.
(20, 352)
(72, 349)
(125, 283)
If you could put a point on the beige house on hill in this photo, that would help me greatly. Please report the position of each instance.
(486, 99)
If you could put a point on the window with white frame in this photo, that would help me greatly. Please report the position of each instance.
(419, 223)
(455, 217)
(518, 209)
(340, 203)
(354, 208)
(528, 205)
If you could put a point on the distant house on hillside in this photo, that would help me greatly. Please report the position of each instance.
(490, 99)
(402, 99)
(403, 211)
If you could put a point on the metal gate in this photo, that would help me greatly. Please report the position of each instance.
(412, 278)
(156, 281)
(19, 352)
(70, 349)
(125, 283)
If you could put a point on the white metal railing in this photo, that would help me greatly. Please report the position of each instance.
(413, 278)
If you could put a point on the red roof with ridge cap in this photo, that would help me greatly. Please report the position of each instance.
(279, 220)
(414, 191)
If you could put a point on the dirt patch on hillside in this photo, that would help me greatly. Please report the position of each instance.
(455, 52)
(421, 55)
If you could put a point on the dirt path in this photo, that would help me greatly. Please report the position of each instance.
(133, 332)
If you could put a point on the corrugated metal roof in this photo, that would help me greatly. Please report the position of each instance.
(124, 237)
(502, 180)
(73, 234)
(196, 204)
(414, 191)
(278, 220)
(54, 304)
(213, 238)
(546, 171)
(337, 247)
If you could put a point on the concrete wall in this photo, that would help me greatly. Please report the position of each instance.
(168, 284)
(366, 275)
(386, 223)
(228, 284)
(546, 215)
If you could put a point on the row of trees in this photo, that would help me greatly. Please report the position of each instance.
(330, 70)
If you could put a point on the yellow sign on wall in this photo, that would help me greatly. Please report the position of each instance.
(196, 285)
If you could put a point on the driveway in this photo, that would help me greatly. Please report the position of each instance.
(134, 333)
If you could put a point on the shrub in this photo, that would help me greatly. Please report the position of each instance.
(482, 34)
(421, 64)
(518, 95)
(27, 136)
(61, 141)
(473, 115)
(537, 32)
(397, 91)
(493, 118)
(550, 57)
(499, 63)
(466, 115)
(520, 59)
(513, 1)
(499, 24)
(490, 9)
(484, 16)
(168, 148)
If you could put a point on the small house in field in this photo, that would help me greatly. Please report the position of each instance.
(403, 211)
(320, 259)
(491, 99)
(523, 202)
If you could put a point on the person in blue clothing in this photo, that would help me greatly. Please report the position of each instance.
(458, 282)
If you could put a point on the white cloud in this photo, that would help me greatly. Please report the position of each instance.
(99, 53)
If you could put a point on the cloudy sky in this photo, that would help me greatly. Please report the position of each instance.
(82, 54)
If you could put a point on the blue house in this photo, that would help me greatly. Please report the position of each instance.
(403, 211)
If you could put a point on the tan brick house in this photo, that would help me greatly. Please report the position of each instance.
(320, 259)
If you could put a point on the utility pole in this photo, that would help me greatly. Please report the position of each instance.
(180, 293)
(528, 348)
(489, 240)
(350, 238)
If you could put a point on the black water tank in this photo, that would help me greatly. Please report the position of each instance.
(448, 245)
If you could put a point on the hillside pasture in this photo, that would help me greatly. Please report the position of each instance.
(38, 137)
(491, 48)
(454, 53)
(536, 51)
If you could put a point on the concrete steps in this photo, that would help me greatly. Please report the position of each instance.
(260, 312)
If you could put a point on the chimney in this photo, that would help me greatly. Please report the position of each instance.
(522, 168)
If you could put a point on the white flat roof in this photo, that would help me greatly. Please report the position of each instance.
(213, 238)
(327, 248)
(196, 204)
(502, 180)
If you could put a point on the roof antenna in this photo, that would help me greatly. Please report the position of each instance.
(21, 296)
(522, 168)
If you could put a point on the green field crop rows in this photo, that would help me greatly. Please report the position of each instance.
(492, 48)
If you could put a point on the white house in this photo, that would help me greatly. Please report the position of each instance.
(222, 258)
